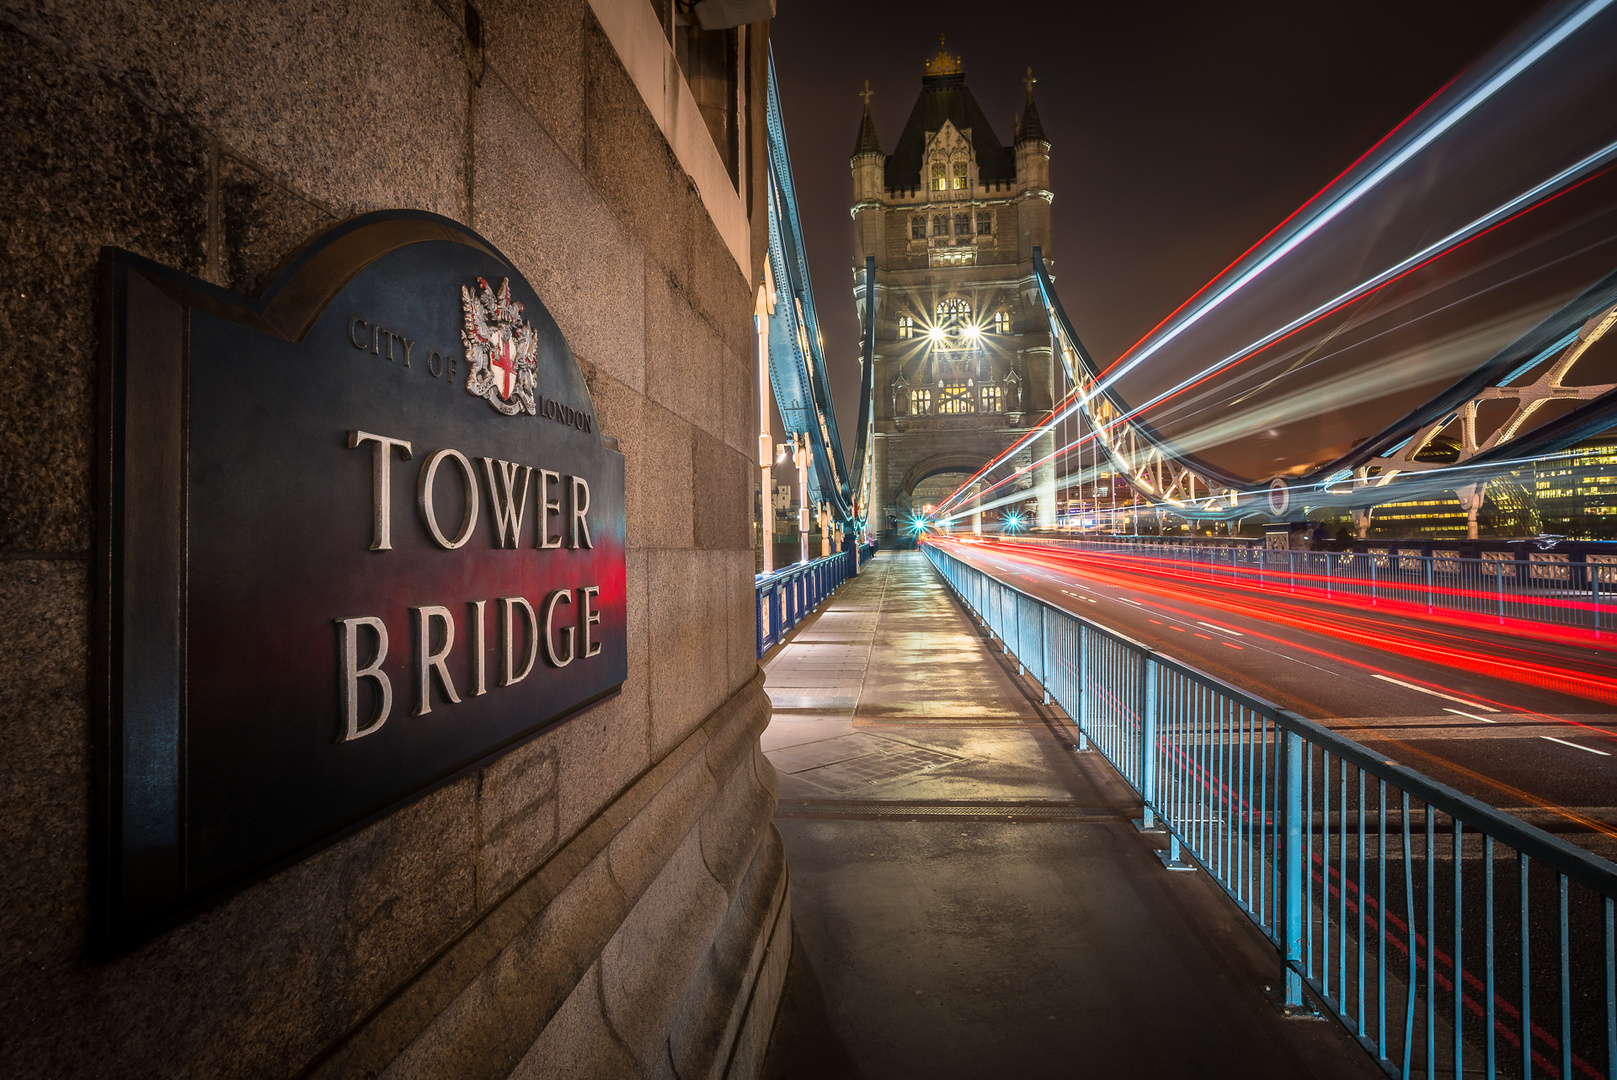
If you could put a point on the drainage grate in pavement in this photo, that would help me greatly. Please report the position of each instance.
(811, 808)
(855, 773)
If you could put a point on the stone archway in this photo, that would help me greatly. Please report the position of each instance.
(947, 462)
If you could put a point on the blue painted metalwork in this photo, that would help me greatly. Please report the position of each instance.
(1292, 820)
(785, 597)
(797, 370)
(867, 387)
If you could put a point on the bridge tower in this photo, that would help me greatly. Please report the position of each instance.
(963, 364)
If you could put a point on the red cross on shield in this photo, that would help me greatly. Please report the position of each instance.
(504, 363)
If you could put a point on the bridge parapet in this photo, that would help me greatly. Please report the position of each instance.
(1379, 887)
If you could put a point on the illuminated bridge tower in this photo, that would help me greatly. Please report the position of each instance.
(963, 361)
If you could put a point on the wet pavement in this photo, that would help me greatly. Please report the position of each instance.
(969, 894)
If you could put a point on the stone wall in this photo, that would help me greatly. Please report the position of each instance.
(606, 900)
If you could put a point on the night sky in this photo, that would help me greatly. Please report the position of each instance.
(1180, 132)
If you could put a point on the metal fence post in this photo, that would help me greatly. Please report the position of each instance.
(1021, 652)
(1148, 745)
(1294, 869)
(1499, 585)
(1044, 650)
(1083, 686)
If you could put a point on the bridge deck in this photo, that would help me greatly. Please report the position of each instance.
(970, 897)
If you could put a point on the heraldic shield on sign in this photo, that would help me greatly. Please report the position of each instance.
(501, 349)
(325, 538)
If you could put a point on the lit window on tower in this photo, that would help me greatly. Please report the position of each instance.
(953, 317)
(906, 326)
(985, 223)
(918, 227)
(955, 398)
(939, 182)
(920, 401)
(960, 176)
(993, 399)
(1001, 323)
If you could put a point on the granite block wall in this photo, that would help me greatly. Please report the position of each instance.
(609, 899)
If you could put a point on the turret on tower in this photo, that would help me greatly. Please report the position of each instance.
(1033, 175)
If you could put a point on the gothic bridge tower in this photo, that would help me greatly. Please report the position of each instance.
(963, 360)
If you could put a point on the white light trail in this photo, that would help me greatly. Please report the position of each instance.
(1357, 191)
(1530, 55)
(1477, 226)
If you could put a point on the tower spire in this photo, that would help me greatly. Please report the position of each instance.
(868, 142)
(944, 63)
(1029, 127)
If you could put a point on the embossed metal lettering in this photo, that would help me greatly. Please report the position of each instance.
(381, 483)
(429, 660)
(429, 517)
(348, 664)
(588, 616)
(509, 605)
(580, 504)
(560, 596)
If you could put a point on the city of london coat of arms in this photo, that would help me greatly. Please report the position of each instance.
(501, 349)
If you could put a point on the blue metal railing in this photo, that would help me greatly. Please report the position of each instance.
(785, 597)
(1446, 935)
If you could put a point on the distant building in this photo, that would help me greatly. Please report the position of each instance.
(1572, 494)
(963, 359)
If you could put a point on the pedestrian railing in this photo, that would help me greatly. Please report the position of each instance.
(786, 596)
(1540, 587)
(1449, 937)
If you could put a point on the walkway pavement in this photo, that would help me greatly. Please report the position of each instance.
(970, 898)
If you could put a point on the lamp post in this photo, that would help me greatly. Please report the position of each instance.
(800, 458)
(766, 461)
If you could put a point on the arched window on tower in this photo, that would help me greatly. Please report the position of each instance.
(953, 316)
(1001, 323)
(955, 398)
(938, 180)
(960, 176)
(918, 227)
(906, 326)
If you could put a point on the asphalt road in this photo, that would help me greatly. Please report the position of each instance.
(1526, 724)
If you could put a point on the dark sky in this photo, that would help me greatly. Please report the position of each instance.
(1180, 132)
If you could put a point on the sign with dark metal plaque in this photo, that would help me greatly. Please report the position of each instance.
(358, 535)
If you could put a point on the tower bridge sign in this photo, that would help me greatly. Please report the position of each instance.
(358, 535)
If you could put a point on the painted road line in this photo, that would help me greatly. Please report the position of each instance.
(1221, 629)
(1468, 716)
(1575, 746)
(1434, 693)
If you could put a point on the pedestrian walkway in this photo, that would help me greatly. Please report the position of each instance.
(969, 894)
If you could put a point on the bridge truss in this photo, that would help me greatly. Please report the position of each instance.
(797, 368)
(1393, 465)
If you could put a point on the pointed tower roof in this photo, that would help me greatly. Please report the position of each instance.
(868, 142)
(1029, 127)
(944, 97)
